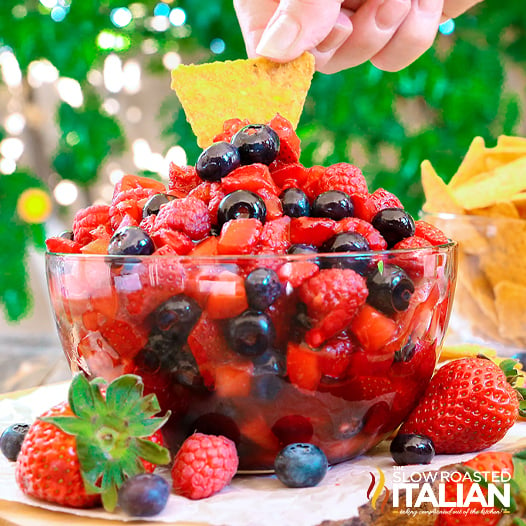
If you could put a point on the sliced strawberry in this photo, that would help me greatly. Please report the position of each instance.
(303, 367)
(289, 175)
(129, 182)
(126, 337)
(314, 175)
(60, 245)
(275, 236)
(183, 179)
(289, 142)
(178, 241)
(233, 380)
(311, 230)
(272, 204)
(230, 128)
(239, 236)
(207, 247)
(296, 272)
(211, 194)
(251, 177)
(373, 329)
(335, 357)
(373, 236)
(227, 297)
(430, 233)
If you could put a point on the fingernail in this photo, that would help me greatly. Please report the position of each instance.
(279, 37)
(391, 13)
(338, 35)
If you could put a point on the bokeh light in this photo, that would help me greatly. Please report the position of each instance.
(66, 192)
(34, 205)
(177, 16)
(121, 16)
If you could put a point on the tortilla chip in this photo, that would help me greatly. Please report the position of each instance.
(519, 202)
(500, 209)
(489, 188)
(510, 302)
(254, 89)
(465, 350)
(506, 141)
(472, 164)
(439, 198)
(496, 157)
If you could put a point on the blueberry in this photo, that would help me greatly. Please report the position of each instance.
(270, 362)
(257, 143)
(251, 333)
(67, 234)
(241, 204)
(263, 288)
(218, 160)
(11, 440)
(347, 242)
(301, 248)
(301, 465)
(412, 449)
(176, 317)
(266, 386)
(406, 353)
(144, 495)
(130, 241)
(153, 205)
(333, 204)
(390, 289)
(269, 370)
(294, 202)
(394, 224)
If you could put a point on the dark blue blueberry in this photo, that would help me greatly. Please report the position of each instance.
(406, 353)
(302, 317)
(333, 204)
(241, 204)
(176, 317)
(251, 333)
(412, 449)
(394, 224)
(266, 386)
(294, 202)
(144, 495)
(270, 362)
(217, 161)
(301, 465)
(67, 234)
(347, 242)
(153, 205)
(263, 288)
(131, 241)
(301, 248)
(11, 440)
(257, 143)
(390, 289)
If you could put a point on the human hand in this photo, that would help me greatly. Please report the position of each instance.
(345, 33)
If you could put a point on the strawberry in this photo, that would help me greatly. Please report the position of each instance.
(182, 178)
(81, 451)
(289, 142)
(468, 406)
(62, 246)
(490, 466)
(127, 338)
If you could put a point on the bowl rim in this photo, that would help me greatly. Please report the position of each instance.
(473, 217)
(448, 247)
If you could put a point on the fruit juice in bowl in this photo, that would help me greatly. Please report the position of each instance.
(258, 299)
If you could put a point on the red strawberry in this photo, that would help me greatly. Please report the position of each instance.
(413, 264)
(372, 204)
(287, 175)
(204, 465)
(468, 406)
(126, 337)
(303, 366)
(311, 230)
(230, 128)
(128, 182)
(183, 179)
(251, 177)
(289, 142)
(84, 449)
(239, 236)
(494, 465)
(60, 245)
(355, 224)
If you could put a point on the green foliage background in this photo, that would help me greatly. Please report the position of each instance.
(356, 115)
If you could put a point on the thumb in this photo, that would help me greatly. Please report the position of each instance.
(297, 26)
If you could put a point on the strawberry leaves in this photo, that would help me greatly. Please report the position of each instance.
(111, 432)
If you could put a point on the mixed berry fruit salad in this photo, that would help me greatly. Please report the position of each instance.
(257, 298)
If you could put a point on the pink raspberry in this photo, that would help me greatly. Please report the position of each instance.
(413, 263)
(345, 177)
(430, 233)
(183, 178)
(88, 219)
(188, 215)
(204, 465)
(332, 297)
(380, 199)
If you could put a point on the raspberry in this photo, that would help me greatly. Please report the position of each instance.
(211, 194)
(333, 297)
(274, 238)
(367, 208)
(182, 178)
(430, 233)
(345, 177)
(88, 219)
(204, 465)
(189, 215)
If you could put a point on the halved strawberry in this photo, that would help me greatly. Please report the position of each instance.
(207, 247)
(289, 142)
(303, 366)
(183, 178)
(311, 230)
(239, 236)
(373, 329)
(230, 128)
(129, 182)
(251, 177)
(60, 245)
(233, 380)
(227, 297)
(126, 337)
(288, 175)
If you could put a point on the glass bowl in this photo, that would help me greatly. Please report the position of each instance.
(293, 353)
(490, 303)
